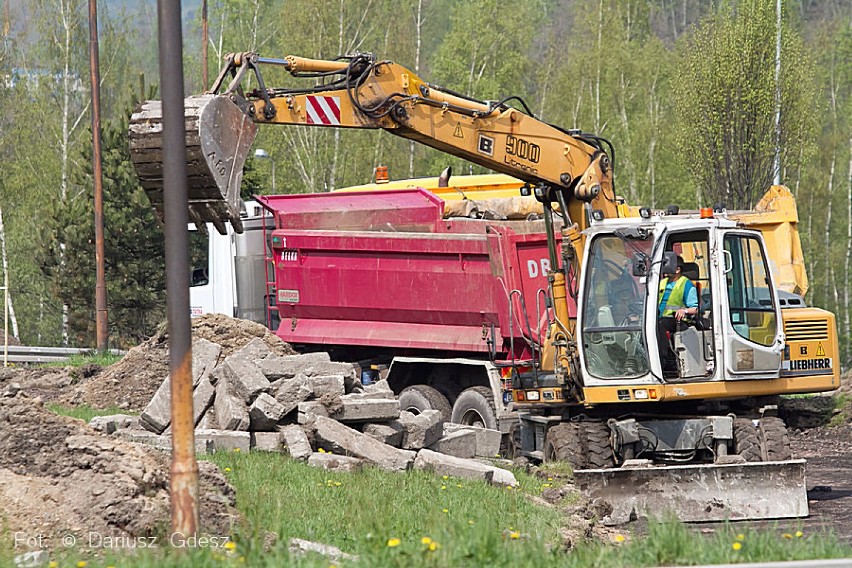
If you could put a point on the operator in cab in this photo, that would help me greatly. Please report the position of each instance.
(678, 299)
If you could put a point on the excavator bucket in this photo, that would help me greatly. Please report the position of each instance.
(700, 493)
(218, 139)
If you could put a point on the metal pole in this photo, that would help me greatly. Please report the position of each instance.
(204, 40)
(97, 174)
(272, 160)
(184, 469)
(776, 166)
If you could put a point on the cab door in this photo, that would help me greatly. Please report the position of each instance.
(750, 312)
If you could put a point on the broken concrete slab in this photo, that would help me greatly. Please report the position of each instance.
(421, 430)
(487, 440)
(380, 389)
(461, 444)
(113, 422)
(205, 356)
(248, 380)
(390, 433)
(334, 462)
(208, 421)
(277, 367)
(296, 442)
(441, 464)
(290, 392)
(202, 398)
(254, 350)
(149, 438)
(366, 410)
(327, 386)
(264, 413)
(158, 414)
(231, 411)
(267, 441)
(223, 440)
(299, 546)
(332, 434)
(308, 411)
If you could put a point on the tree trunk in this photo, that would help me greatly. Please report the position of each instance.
(846, 276)
(418, 34)
(12, 319)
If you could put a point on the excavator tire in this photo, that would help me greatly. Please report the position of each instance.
(598, 448)
(417, 398)
(747, 440)
(564, 442)
(511, 447)
(774, 440)
(475, 407)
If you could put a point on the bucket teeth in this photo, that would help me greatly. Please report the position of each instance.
(218, 138)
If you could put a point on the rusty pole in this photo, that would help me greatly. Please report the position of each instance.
(204, 39)
(184, 470)
(97, 174)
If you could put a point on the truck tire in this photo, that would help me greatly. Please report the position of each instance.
(747, 440)
(417, 398)
(598, 447)
(774, 440)
(475, 407)
(564, 442)
(511, 446)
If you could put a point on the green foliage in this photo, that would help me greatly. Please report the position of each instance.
(725, 101)
(133, 247)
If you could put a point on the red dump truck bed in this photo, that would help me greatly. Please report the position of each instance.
(387, 270)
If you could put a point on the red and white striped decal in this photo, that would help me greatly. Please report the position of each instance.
(323, 110)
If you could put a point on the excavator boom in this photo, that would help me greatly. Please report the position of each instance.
(360, 91)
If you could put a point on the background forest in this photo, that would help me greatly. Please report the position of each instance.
(685, 90)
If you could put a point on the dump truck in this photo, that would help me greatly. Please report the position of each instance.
(584, 373)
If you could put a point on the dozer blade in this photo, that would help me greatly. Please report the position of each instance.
(696, 493)
(218, 138)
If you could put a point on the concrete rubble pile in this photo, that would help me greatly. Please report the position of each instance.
(313, 409)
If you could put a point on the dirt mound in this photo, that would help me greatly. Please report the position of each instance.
(59, 477)
(130, 383)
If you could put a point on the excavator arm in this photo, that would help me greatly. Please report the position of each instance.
(359, 91)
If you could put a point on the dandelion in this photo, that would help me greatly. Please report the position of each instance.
(230, 546)
(433, 546)
(550, 479)
(459, 485)
(514, 535)
(786, 535)
(445, 477)
(470, 522)
(82, 564)
(337, 483)
(740, 536)
(227, 470)
(509, 487)
(53, 564)
(446, 510)
(443, 487)
(620, 538)
(426, 540)
(236, 450)
(799, 534)
(394, 542)
(545, 485)
(737, 545)
(322, 451)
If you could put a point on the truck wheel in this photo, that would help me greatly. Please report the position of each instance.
(774, 440)
(747, 440)
(475, 407)
(417, 398)
(510, 448)
(563, 442)
(598, 448)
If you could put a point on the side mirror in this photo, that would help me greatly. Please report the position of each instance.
(669, 263)
(639, 264)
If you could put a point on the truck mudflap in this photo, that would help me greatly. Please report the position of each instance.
(702, 492)
(218, 138)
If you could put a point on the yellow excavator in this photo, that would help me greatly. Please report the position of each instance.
(653, 412)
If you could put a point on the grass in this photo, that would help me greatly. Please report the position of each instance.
(384, 518)
(93, 358)
(85, 412)
(843, 409)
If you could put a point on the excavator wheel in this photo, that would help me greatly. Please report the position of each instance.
(747, 441)
(564, 442)
(598, 447)
(774, 440)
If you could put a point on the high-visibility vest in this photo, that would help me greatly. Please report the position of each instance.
(675, 301)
